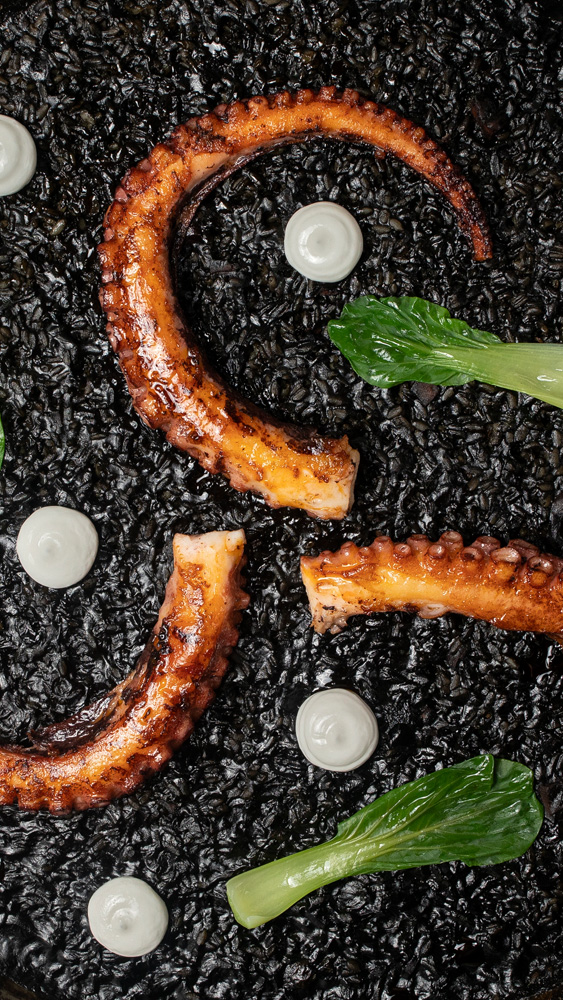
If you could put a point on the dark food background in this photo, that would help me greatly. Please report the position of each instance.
(98, 84)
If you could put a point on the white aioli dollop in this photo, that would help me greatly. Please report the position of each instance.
(336, 730)
(18, 156)
(57, 546)
(127, 917)
(323, 241)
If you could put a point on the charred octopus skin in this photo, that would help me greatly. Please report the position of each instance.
(108, 748)
(172, 386)
(514, 587)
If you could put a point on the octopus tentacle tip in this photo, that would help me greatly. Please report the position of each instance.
(513, 587)
(109, 748)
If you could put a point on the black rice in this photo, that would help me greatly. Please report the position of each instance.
(98, 83)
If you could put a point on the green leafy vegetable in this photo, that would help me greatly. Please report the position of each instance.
(482, 811)
(394, 340)
(2, 443)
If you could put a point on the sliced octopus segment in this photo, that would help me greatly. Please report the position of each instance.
(108, 748)
(514, 587)
(172, 386)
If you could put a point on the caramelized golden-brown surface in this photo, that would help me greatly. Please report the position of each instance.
(515, 587)
(111, 746)
(172, 386)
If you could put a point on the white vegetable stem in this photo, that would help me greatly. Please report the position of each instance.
(261, 894)
(536, 369)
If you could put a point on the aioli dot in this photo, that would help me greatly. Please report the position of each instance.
(57, 546)
(336, 730)
(323, 241)
(18, 156)
(127, 917)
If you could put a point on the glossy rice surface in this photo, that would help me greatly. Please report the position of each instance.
(98, 85)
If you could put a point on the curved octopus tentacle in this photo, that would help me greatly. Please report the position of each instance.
(514, 587)
(172, 386)
(108, 748)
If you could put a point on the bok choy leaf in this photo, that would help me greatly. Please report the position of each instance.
(482, 812)
(393, 340)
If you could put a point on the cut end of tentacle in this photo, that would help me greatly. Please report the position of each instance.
(110, 747)
(514, 587)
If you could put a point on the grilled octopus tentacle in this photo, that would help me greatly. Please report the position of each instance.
(172, 386)
(108, 748)
(515, 587)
